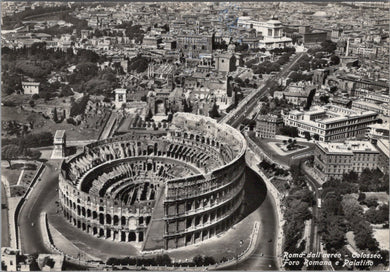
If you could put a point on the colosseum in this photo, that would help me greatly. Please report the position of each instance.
(171, 186)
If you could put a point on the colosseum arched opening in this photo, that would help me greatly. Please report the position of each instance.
(171, 187)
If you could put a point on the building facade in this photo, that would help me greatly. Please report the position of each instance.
(267, 125)
(383, 146)
(30, 87)
(370, 106)
(193, 45)
(272, 35)
(333, 160)
(331, 122)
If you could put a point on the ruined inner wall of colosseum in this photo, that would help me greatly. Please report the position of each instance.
(166, 188)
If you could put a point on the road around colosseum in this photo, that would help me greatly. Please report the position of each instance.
(259, 207)
(39, 200)
(263, 257)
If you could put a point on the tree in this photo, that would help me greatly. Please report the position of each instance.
(307, 135)
(265, 109)
(289, 131)
(187, 106)
(324, 99)
(371, 202)
(198, 260)
(334, 60)
(10, 152)
(214, 111)
(316, 137)
(309, 100)
(377, 216)
(163, 260)
(333, 89)
(208, 260)
(328, 46)
(138, 64)
(351, 207)
(351, 177)
(334, 238)
(363, 236)
(33, 154)
(55, 116)
(78, 108)
(32, 103)
(362, 197)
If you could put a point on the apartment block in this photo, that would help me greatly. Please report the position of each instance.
(332, 160)
(331, 122)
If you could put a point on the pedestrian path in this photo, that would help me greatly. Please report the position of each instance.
(20, 177)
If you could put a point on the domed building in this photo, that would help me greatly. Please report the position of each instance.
(164, 187)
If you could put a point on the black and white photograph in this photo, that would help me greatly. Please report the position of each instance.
(195, 136)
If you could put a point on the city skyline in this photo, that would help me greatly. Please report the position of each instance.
(195, 136)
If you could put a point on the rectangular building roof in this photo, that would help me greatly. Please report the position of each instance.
(60, 133)
(348, 147)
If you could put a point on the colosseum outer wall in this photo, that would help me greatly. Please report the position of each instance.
(194, 207)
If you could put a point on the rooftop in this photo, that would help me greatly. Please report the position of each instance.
(348, 147)
(59, 134)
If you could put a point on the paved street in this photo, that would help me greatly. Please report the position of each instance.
(235, 117)
(5, 238)
(259, 207)
(39, 200)
(315, 238)
(263, 257)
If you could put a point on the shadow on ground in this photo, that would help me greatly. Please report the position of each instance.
(255, 192)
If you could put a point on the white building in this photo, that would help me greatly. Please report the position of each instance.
(331, 122)
(30, 87)
(271, 30)
(120, 97)
(378, 131)
(333, 160)
(366, 105)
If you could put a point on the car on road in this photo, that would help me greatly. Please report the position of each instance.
(32, 224)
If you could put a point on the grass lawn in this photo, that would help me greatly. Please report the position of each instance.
(15, 113)
(73, 133)
(12, 175)
(86, 131)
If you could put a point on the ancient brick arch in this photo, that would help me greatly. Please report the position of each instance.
(116, 183)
